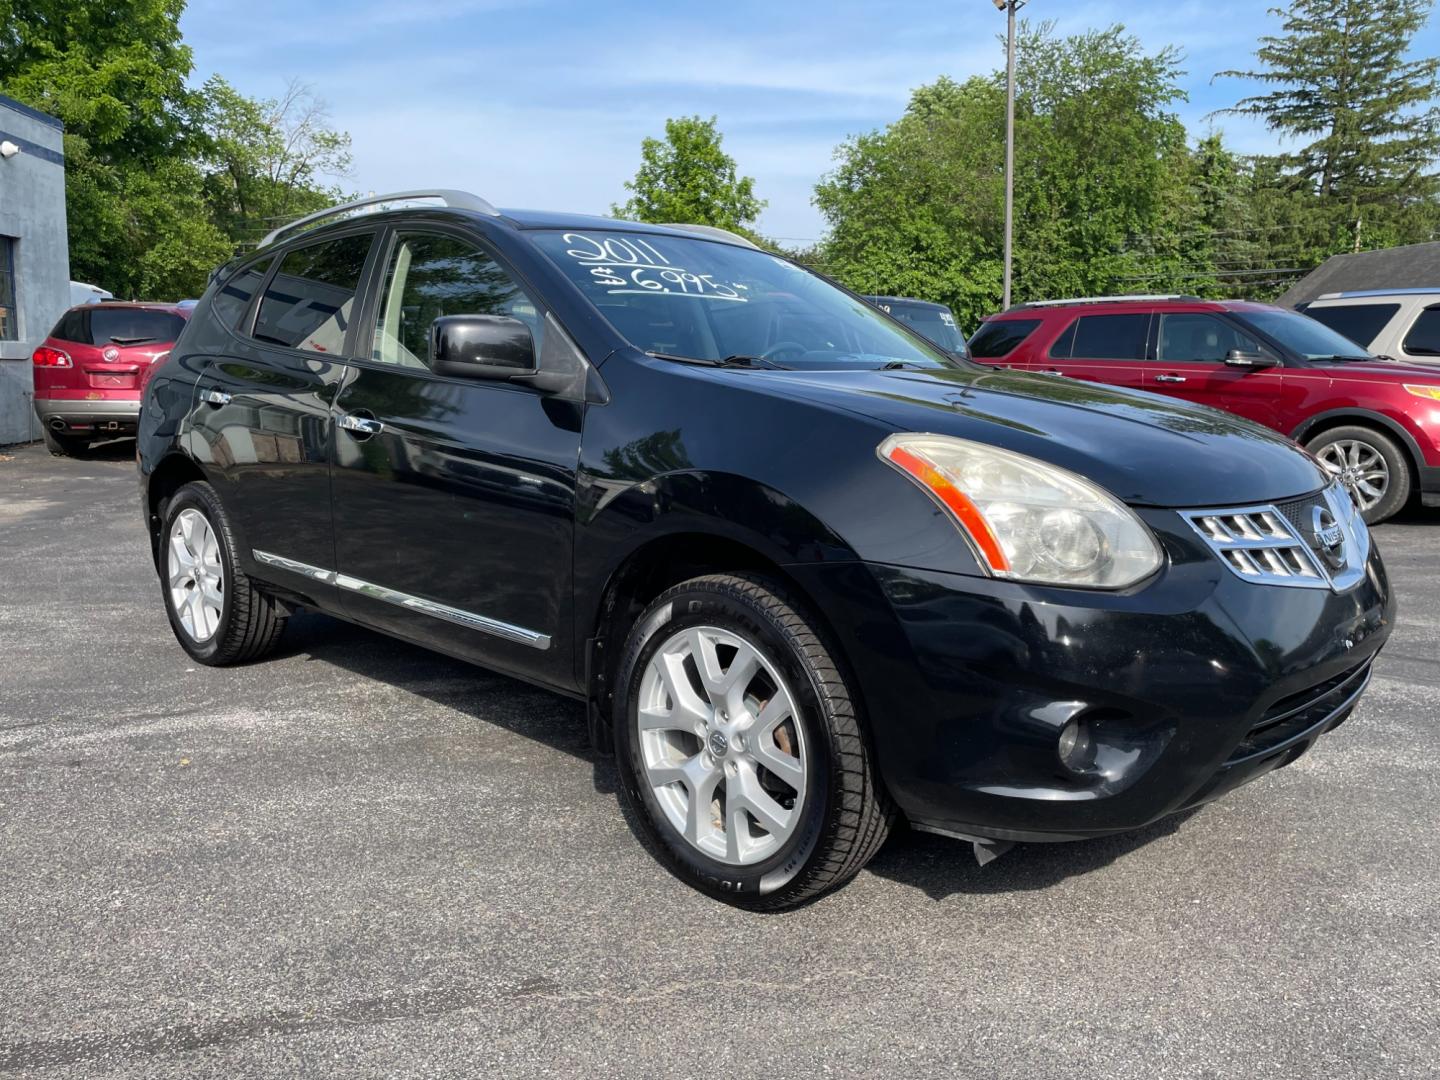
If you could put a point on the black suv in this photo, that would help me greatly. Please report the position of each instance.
(811, 573)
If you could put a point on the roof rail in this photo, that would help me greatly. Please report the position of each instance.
(461, 200)
(715, 233)
(1356, 293)
(1178, 297)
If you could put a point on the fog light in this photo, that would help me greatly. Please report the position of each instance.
(1076, 748)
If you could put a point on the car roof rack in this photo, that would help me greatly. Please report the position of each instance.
(1136, 299)
(1359, 293)
(714, 232)
(461, 200)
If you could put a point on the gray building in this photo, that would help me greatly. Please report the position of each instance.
(34, 255)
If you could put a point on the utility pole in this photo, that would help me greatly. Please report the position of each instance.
(1010, 7)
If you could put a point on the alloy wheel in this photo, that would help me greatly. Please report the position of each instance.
(197, 575)
(722, 747)
(1360, 467)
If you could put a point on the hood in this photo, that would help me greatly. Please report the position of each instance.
(1146, 449)
(1390, 371)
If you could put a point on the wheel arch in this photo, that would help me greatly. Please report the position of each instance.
(675, 527)
(654, 565)
(173, 472)
(1327, 421)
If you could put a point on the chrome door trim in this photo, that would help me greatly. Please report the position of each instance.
(434, 609)
(458, 616)
(294, 566)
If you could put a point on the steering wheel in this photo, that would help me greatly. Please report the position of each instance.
(775, 350)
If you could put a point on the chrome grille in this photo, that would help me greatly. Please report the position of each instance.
(1276, 544)
(1259, 544)
(1298, 512)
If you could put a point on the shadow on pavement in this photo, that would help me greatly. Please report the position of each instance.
(941, 867)
(490, 698)
(938, 866)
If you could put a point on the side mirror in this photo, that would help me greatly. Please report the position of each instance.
(481, 347)
(1250, 361)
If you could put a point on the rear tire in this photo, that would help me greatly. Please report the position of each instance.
(787, 803)
(217, 615)
(1370, 465)
(65, 445)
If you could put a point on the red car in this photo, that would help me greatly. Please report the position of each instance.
(89, 372)
(1374, 422)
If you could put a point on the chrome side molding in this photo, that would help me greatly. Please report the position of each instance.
(460, 617)
(295, 566)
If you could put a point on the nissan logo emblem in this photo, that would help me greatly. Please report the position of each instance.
(1329, 537)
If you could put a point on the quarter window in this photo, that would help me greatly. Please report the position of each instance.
(1424, 336)
(1201, 338)
(9, 320)
(307, 303)
(1104, 337)
(1001, 337)
(1361, 323)
(71, 327)
(431, 275)
(232, 300)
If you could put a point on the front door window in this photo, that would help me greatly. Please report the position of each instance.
(431, 275)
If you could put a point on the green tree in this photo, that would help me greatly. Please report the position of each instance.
(1345, 85)
(687, 177)
(267, 161)
(1102, 181)
(115, 72)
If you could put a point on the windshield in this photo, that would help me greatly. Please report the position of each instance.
(132, 326)
(714, 302)
(934, 323)
(1303, 335)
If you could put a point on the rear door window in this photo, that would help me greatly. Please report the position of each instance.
(1361, 323)
(1001, 337)
(1105, 337)
(1424, 336)
(307, 304)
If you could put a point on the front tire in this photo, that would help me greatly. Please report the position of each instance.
(217, 615)
(740, 746)
(1370, 465)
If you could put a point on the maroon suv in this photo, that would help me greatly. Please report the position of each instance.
(92, 367)
(1375, 423)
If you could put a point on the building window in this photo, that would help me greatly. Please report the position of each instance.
(9, 318)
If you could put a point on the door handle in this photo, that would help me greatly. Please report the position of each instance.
(1170, 378)
(217, 397)
(361, 425)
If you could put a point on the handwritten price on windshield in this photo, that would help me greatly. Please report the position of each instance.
(625, 266)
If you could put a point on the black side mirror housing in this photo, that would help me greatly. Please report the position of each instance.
(494, 347)
(1250, 361)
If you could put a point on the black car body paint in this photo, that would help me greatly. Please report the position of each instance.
(528, 510)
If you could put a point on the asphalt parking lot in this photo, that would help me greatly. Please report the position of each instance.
(361, 859)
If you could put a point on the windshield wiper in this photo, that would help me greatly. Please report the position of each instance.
(126, 341)
(901, 365)
(1341, 359)
(736, 361)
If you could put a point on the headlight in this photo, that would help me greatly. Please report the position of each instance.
(1424, 391)
(1027, 520)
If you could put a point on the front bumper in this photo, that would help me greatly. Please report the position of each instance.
(1189, 686)
(1430, 485)
(81, 416)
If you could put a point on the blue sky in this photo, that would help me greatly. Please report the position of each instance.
(543, 103)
